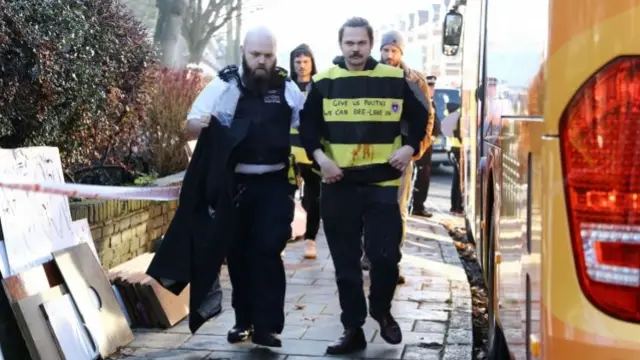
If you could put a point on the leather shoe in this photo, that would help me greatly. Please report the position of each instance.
(389, 329)
(423, 213)
(239, 334)
(401, 280)
(266, 339)
(352, 340)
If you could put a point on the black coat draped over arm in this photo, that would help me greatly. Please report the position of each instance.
(196, 243)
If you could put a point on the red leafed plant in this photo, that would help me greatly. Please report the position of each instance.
(166, 118)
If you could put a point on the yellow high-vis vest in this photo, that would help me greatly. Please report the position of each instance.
(362, 111)
(299, 153)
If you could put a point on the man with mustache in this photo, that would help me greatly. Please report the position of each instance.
(351, 126)
(267, 105)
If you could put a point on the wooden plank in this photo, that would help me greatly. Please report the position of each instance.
(40, 223)
(163, 308)
(33, 325)
(82, 273)
(70, 335)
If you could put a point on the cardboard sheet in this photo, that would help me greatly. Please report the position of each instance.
(83, 275)
(71, 337)
(82, 233)
(33, 325)
(40, 223)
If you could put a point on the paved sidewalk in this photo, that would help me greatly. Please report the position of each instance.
(433, 309)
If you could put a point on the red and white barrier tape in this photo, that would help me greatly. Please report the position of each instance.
(163, 193)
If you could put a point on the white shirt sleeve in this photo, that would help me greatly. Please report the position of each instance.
(206, 100)
(295, 98)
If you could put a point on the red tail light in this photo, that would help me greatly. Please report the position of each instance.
(600, 138)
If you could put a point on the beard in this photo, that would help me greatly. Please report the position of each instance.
(259, 79)
(391, 62)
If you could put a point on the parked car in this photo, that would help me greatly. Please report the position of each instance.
(441, 97)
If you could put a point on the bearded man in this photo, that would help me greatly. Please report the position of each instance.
(237, 196)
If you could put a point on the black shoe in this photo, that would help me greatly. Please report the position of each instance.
(266, 339)
(401, 280)
(239, 334)
(423, 213)
(389, 329)
(351, 341)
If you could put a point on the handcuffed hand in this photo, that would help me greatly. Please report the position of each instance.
(400, 158)
(331, 173)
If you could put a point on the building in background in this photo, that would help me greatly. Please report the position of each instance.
(422, 30)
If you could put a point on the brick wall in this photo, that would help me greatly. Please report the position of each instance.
(124, 229)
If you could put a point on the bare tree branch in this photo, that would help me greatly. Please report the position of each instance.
(202, 22)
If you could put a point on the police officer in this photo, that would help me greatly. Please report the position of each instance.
(355, 108)
(303, 67)
(267, 107)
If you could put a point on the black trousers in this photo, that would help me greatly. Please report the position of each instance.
(265, 212)
(423, 179)
(311, 200)
(456, 193)
(348, 210)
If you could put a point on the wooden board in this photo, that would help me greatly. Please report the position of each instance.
(31, 282)
(40, 223)
(81, 273)
(173, 308)
(152, 305)
(33, 325)
(71, 337)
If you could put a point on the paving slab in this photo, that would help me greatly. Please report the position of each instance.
(433, 308)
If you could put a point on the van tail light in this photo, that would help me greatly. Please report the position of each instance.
(600, 139)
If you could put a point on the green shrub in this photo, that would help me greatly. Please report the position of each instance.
(74, 74)
(165, 125)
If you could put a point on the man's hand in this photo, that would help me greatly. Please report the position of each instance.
(400, 158)
(331, 173)
(194, 126)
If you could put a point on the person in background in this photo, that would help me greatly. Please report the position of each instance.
(391, 51)
(451, 129)
(303, 67)
(423, 165)
(351, 126)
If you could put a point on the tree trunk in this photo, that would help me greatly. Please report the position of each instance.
(238, 40)
(168, 30)
(195, 55)
(229, 53)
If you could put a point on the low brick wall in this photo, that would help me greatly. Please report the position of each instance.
(124, 229)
